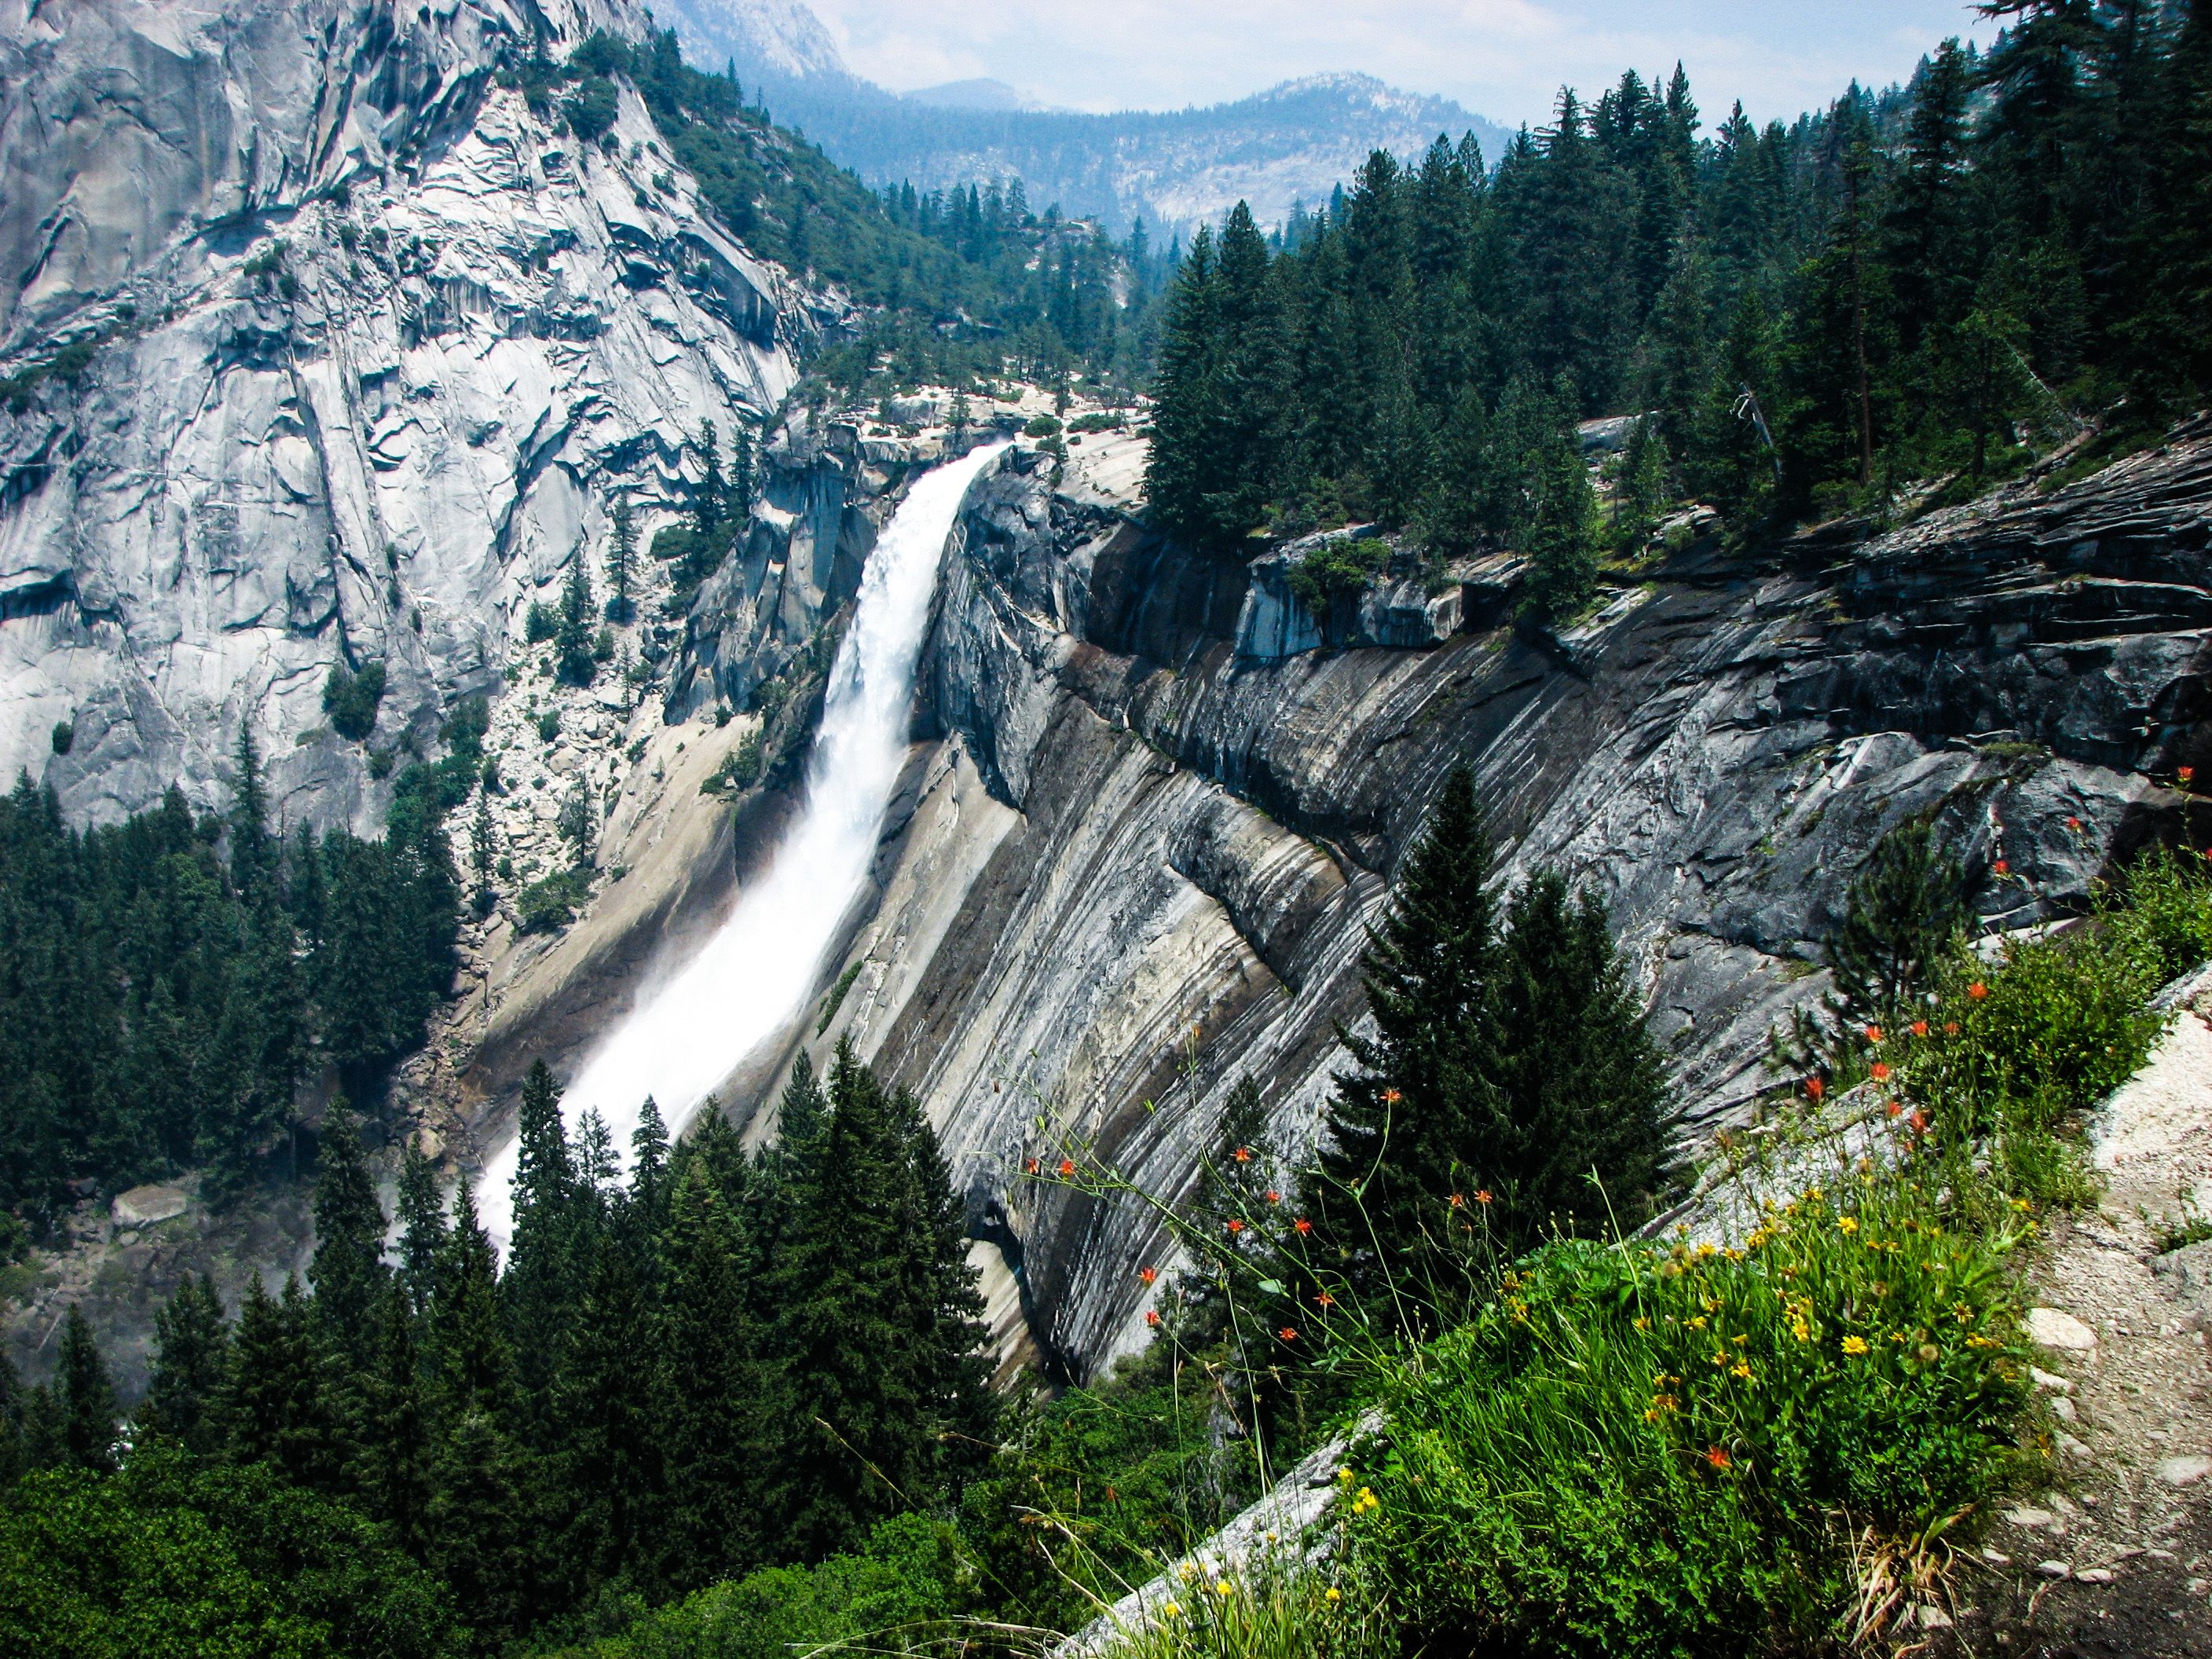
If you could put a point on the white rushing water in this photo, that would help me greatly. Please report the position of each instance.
(691, 1031)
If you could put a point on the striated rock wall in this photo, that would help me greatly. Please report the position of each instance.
(1126, 832)
(375, 346)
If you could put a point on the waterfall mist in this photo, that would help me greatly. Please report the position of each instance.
(694, 1026)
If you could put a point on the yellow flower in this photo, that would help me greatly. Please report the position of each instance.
(1345, 1474)
(1171, 1610)
(1698, 1323)
(1332, 1595)
(1740, 1368)
(1642, 1323)
(1224, 1587)
(1855, 1344)
(1847, 1224)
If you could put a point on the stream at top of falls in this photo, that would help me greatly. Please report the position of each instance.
(694, 1025)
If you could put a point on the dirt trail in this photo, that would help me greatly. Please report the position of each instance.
(2116, 1558)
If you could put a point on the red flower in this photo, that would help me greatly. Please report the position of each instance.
(1032, 1166)
(1814, 1089)
(1151, 1316)
(1950, 1028)
(1893, 1110)
(1879, 1072)
(1243, 1154)
(1482, 1195)
(1273, 1196)
(1067, 1166)
(1148, 1274)
(1919, 1122)
(1391, 1097)
(2074, 824)
(1324, 1300)
(1718, 1457)
(1236, 1226)
(1303, 1226)
(1977, 991)
(1920, 1027)
(2002, 867)
(2187, 775)
(1873, 1034)
(1287, 1333)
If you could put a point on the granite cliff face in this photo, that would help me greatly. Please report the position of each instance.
(359, 348)
(1126, 830)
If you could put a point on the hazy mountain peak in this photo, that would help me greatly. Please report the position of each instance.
(982, 93)
(782, 38)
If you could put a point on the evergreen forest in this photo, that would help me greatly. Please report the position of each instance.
(1885, 305)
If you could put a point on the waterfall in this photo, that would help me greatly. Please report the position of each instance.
(691, 1031)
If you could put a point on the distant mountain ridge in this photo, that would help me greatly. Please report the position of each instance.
(1289, 145)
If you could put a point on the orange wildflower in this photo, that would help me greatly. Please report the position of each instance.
(1879, 1072)
(2074, 824)
(2002, 867)
(1920, 1027)
(1288, 1334)
(1067, 1166)
(1919, 1122)
(1458, 1199)
(1482, 1195)
(1236, 1226)
(1950, 1028)
(1032, 1166)
(1324, 1300)
(1977, 991)
(1151, 1316)
(2187, 775)
(1873, 1034)
(1148, 1274)
(1814, 1089)
(1893, 1110)
(1718, 1457)
(1271, 1196)
(1243, 1154)
(1391, 1097)
(1303, 1226)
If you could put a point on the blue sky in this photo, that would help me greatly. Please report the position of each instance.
(1504, 58)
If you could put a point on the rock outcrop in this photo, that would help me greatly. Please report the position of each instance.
(360, 348)
(1129, 833)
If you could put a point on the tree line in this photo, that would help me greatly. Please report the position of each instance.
(1918, 286)
(167, 982)
(718, 1362)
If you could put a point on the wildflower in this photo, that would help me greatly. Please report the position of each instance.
(2187, 775)
(1919, 1122)
(1458, 1200)
(1718, 1457)
(1391, 1097)
(1977, 991)
(1366, 1500)
(1814, 1089)
(1067, 1166)
(1740, 1368)
(2002, 867)
(1243, 1154)
(1854, 1345)
(1920, 1027)
(1698, 1323)
(1324, 1300)
(2074, 824)
(1032, 1166)
(1950, 1028)
(1929, 1353)
(1873, 1034)
(1223, 1587)
(1302, 1226)
(1236, 1225)
(1345, 1474)
(1847, 1224)
(1152, 1317)
(1893, 1110)
(1801, 1330)
(1642, 1323)
(1273, 1196)
(1482, 1195)
(1880, 1071)
(1289, 1333)
(2021, 1204)
(1331, 1596)
(1171, 1610)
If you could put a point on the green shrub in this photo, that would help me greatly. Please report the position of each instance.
(740, 769)
(591, 108)
(894, 1596)
(541, 624)
(1340, 566)
(548, 906)
(351, 700)
(64, 738)
(1634, 1450)
(1042, 426)
(549, 726)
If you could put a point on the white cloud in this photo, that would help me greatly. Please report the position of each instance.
(1506, 58)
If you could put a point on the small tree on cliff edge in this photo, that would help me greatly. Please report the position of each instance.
(1509, 1066)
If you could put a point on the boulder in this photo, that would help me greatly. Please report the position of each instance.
(142, 1207)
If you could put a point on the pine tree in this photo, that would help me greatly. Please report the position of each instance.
(571, 644)
(252, 861)
(275, 1409)
(1905, 907)
(422, 1230)
(1557, 523)
(397, 1456)
(1180, 473)
(611, 1468)
(540, 1289)
(469, 1354)
(1403, 1128)
(621, 561)
(707, 504)
(1925, 226)
(89, 1433)
(348, 1271)
(191, 1362)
